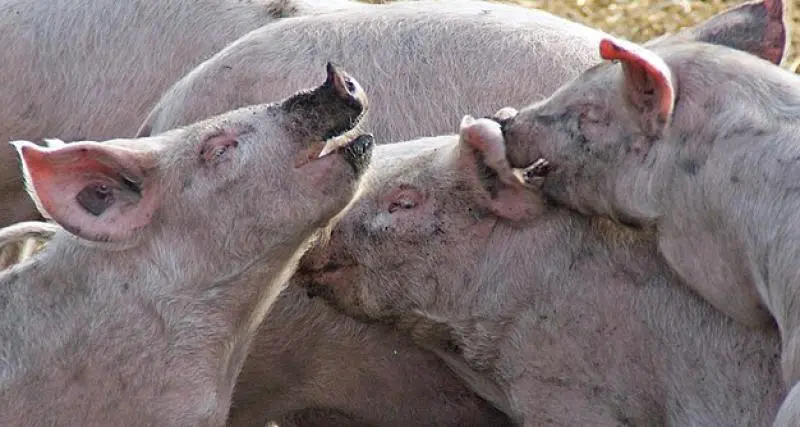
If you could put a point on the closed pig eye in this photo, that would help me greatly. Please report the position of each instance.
(403, 198)
(217, 147)
(402, 204)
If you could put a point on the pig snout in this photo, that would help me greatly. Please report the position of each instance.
(534, 173)
(520, 140)
(359, 152)
(329, 112)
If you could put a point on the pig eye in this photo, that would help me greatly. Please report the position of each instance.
(215, 147)
(214, 153)
(402, 204)
(590, 114)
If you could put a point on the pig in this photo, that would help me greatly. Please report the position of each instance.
(140, 309)
(557, 318)
(263, 378)
(79, 69)
(315, 367)
(306, 357)
(488, 52)
(669, 138)
(457, 55)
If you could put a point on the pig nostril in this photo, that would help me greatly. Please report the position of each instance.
(348, 83)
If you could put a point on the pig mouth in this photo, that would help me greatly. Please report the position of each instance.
(354, 147)
(320, 282)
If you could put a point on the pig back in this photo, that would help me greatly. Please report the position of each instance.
(423, 63)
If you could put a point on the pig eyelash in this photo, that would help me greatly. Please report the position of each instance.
(214, 154)
(402, 204)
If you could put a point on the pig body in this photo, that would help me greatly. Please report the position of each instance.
(559, 319)
(78, 69)
(140, 309)
(308, 355)
(702, 147)
(458, 55)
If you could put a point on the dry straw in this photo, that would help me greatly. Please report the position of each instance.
(641, 20)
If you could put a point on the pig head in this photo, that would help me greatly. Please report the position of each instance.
(693, 140)
(170, 249)
(549, 315)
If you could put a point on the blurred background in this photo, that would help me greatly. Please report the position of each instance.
(642, 20)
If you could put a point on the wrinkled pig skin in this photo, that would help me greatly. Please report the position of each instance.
(93, 69)
(558, 319)
(140, 309)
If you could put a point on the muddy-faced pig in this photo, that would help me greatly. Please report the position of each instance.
(92, 69)
(140, 310)
(699, 142)
(558, 318)
(307, 355)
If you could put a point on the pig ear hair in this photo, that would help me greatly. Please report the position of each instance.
(648, 82)
(756, 27)
(95, 191)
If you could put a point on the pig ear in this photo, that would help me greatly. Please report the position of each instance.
(757, 27)
(648, 85)
(95, 191)
(499, 189)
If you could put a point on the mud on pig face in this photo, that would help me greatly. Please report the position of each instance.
(234, 181)
(420, 225)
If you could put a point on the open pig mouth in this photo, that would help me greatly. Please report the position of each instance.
(356, 150)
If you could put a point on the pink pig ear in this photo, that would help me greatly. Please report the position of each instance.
(648, 82)
(95, 191)
(504, 194)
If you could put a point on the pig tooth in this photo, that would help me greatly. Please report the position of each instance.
(329, 147)
(334, 143)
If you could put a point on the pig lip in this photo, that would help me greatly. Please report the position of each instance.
(357, 151)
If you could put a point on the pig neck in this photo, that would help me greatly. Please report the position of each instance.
(592, 293)
(474, 334)
(187, 324)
